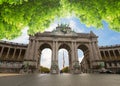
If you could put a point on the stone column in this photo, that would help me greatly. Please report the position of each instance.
(28, 51)
(119, 54)
(8, 52)
(32, 50)
(2, 51)
(70, 61)
(14, 53)
(91, 51)
(91, 55)
(73, 54)
(119, 51)
(36, 51)
(109, 55)
(75, 62)
(104, 55)
(95, 51)
(54, 62)
(39, 60)
(19, 54)
(76, 53)
(53, 51)
(114, 54)
(98, 51)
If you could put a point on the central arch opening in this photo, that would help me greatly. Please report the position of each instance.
(64, 59)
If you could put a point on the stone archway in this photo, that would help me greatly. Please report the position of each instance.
(69, 40)
(86, 58)
(41, 48)
(67, 47)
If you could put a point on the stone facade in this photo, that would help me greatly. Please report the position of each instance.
(64, 37)
(111, 57)
(14, 55)
(11, 56)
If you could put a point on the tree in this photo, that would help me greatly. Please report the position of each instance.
(44, 69)
(65, 70)
(37, 14)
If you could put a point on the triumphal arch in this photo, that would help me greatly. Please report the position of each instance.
(64, 37)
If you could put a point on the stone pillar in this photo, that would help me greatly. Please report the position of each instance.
(75, 62)
(2, 51)
(95, 51)
(76, 53)
(32, 50)
(53, 51)
(14, 53)
(36, 51)
(8, 53)
(98, 51)
(119, 54)
(28, 50)
(39, 59)
(104, 55)
(73, 52)
(56, 49)
(119, 51)
(109, 55)
(91, 55)
(96, 56)
(19, 54)
(29, 60)
(114, 54)
(72, 57)
(54, 62)
(91, 52)
(70, 61)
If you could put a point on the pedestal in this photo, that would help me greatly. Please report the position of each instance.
(76, 67)
(54, 68)
(30, 66)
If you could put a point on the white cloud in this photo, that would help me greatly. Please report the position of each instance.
(46, 58)
(74, 26)
(24, 38)
(69, 20)
(52, 27)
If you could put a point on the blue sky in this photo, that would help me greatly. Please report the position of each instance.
(106, 36)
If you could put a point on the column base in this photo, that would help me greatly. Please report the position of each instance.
(76, 67)
(54, 68)
(29, 66)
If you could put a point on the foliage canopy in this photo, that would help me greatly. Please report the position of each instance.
(37, 14)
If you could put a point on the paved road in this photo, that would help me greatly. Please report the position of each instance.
(61, 80)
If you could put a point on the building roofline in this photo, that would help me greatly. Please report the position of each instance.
(12, 43)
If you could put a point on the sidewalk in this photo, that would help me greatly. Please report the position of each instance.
(8, 74)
